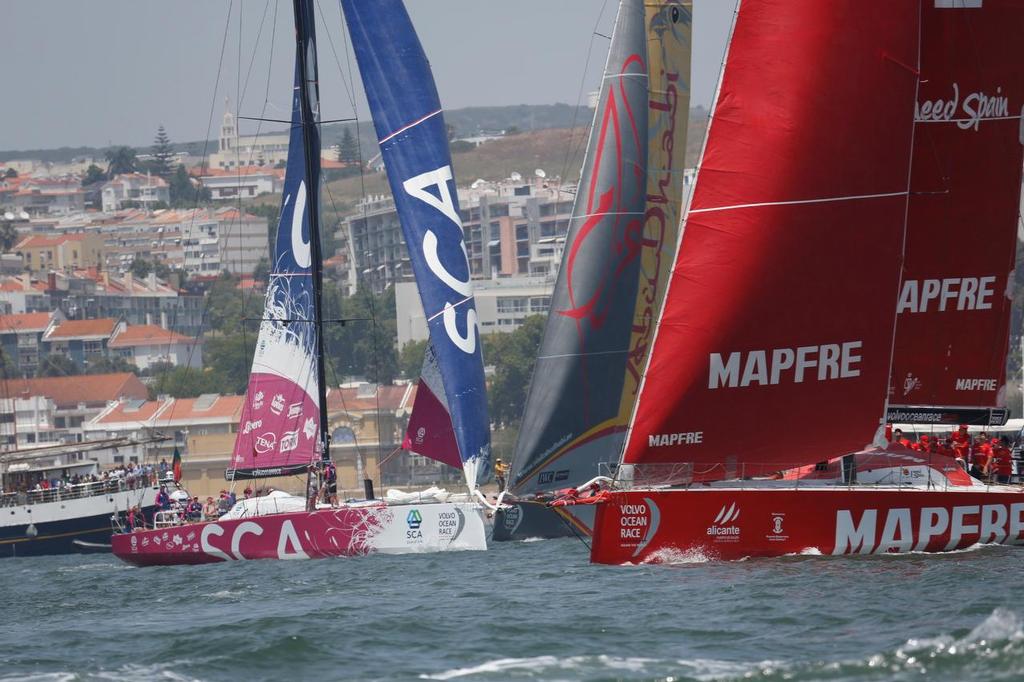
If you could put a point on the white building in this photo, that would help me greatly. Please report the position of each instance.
(234, 150)
(147, 344)
(245, 182)
(144, 190)
(501, 305)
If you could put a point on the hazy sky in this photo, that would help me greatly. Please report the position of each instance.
(110, 71)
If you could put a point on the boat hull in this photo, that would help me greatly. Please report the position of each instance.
(346, 531)
(535, 520)
(74, 526)
(651, 526)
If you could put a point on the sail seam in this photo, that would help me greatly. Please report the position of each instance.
(626, 75)
(606, 213)
(411, 125)
(794, 202)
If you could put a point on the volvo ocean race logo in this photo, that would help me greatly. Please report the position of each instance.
(638, 522)
(722, 528)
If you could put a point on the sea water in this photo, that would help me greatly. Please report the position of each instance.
(521, 611)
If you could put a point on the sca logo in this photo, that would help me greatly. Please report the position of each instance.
(414, 520)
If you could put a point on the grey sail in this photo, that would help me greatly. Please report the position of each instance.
(574, 414)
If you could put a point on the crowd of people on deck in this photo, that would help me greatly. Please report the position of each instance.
(130, 475)
(987, 458)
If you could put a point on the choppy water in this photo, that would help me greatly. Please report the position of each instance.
(534, 610)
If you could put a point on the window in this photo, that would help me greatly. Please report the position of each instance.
(93, 347)
(508, 304)
(539, 304)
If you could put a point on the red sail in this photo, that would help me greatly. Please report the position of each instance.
(954, 310)
(774, 343)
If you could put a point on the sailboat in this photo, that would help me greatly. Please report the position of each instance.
(612, 277)
(854, 152)
(284, 426)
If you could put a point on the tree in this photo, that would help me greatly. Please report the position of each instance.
(141, 268)
(513, 357)
(183, 382)
(410, 359)
(261, 273)
(121, 160)
(348, 150)
(93, 175)
(183, 193)
(110, 365)
(56, 365)
(8, 235)
(11, 173)
(163, 154)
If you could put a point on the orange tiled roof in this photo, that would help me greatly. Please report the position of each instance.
(36, 241)
(69, 329)
(24, 322)
(148, 335)
(391, 398)
(184, 409)
(86, 388)
(127, 412)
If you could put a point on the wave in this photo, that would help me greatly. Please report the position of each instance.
(542, 665)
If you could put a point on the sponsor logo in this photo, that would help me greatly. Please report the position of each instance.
(309, 428)
(777, 530)
(911, 383)
(421, 433)
(951, 293)
(257, 400)
(969, 113)
(265, 442)
(448, 524)
(414, 519)
(294, 410)
(546, 477)
(434, 189)
(958, 4)
(929, 528)
(289, 441)
(512, 517)
(277, 404)
(562, 475)
(656, 440)
(250, 426)
(722, 528)
(771, 367)
(976, 384)
(638, 523)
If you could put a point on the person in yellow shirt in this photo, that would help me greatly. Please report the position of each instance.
(500, 472)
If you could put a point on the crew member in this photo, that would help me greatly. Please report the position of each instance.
(500, 472)
(1003, 460)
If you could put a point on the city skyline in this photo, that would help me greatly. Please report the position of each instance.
(115, 82)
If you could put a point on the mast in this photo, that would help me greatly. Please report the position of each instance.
(309, 106)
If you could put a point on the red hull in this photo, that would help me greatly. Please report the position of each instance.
(650, 526)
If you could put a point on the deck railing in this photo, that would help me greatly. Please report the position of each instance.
(74, 492)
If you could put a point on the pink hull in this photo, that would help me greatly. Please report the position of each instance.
(642, 526)
(299, 535)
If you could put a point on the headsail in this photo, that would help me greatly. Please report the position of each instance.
(574, 414)
(780, 307)
(429, 432)
(952, 328)
(413, 140)
(280, 430)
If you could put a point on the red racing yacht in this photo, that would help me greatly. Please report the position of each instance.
(844, 262)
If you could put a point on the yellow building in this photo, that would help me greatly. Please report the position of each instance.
(41, 253)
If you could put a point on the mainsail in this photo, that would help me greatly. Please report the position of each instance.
(280, 428)
(952, 328)
(780, 307)
(413, 140)
(594, 341)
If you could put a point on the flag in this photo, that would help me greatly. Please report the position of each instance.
(176, 463)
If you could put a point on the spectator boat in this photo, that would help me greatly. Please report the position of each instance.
(52, 506)
(845, 262)
(284, 422)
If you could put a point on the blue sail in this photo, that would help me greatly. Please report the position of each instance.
(279, 432)
(413, 141)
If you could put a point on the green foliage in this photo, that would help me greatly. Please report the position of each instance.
(163, 154)
(121, 160)
(182, 382)
(228, 359)
(513, 357)
(93, 175)
(261, 273)
(8, 235)
(410, 359)
(10, 173)
(183, 193)
(110, 365)
(141, 267)
(366, 346)
(56, 365)
(461, 146)
(348, 149)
